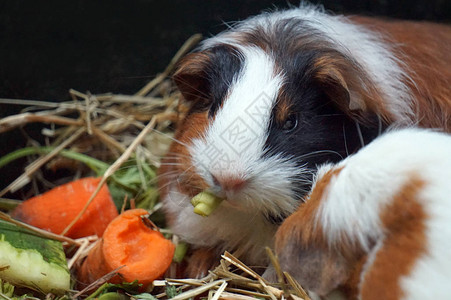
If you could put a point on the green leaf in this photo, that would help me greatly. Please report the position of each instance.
(129, 287)
(144, 296)
(6, 288)
(113, 296)
(180, 252)
(171, 290)
(96, 165)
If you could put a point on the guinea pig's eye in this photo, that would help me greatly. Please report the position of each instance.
(290, 123)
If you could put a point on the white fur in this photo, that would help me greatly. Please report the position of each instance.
(369, 180)
(365, 46)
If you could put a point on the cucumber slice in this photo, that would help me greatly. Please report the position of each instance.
(32, 261)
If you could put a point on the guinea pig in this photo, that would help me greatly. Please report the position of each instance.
(278, 94)
(377, 224)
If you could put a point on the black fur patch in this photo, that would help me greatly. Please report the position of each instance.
(225, 64)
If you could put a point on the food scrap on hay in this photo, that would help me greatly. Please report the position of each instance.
(110, 152)
(205, 203)
(138, 252)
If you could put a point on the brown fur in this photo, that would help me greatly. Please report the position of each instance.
(177, 165)
(190, 77)
(349, 86)
(283, 109)
(405, 242)
(200, 261)
(425, 49)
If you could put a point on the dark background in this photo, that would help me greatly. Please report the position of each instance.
(48, 47)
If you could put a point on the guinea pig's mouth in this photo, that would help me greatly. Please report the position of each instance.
(274, 202)
(269, 185)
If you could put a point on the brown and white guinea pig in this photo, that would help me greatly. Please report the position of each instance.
(278, 94)
(377, 223)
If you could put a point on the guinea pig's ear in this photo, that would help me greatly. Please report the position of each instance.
(191, 76)
(347, 84)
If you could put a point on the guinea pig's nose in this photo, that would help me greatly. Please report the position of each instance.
(229, 183)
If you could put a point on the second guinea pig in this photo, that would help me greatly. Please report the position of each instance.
(377, 225)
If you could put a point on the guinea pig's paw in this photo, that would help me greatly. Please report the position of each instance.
(200, 262)
(270, 274)
(305, 256)
(316, 269)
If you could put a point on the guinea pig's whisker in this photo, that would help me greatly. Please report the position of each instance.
(183, 173)
(164, 175)
(301, 179)
(198, 91)
(173, 157)
(167, 184)
(299, 190)
(330, 115)
(170, 137)
(171, 164)
(359, 131)
(320, 152)
(176, 155)
(379, 124)
(345, 140)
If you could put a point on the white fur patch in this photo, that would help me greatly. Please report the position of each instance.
(240, 126)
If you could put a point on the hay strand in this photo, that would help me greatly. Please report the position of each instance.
(190, 43)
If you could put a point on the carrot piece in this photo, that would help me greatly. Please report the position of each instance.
(144, 252)
(55, 209)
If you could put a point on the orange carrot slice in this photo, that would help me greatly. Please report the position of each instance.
(144, 253)
(55, 209)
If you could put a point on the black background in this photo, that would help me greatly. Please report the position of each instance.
(48, 47)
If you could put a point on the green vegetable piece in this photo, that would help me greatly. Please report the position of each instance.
(113, 296)
(32, 261)
(180, 252)
(144, 296)
(205, 203)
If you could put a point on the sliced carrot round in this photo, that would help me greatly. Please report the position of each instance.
(143, 253)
